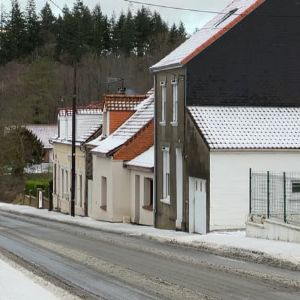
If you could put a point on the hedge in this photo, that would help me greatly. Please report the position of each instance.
(31, 186)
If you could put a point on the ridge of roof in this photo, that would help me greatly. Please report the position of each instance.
(236, 11)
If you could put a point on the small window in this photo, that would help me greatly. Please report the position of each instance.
(163, 102)
(67, 182)
(296, 187)
(80, 190)
(62, 183)
(103, 193)
(175, 101)
(166, 173)
(225, 17)
(148, 194)
(54, 178)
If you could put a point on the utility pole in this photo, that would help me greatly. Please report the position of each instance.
(73, 184)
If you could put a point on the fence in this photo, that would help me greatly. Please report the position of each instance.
(275, 195)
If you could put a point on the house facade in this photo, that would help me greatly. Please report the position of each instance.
(234, 60)
(111, 200)
(88, 124)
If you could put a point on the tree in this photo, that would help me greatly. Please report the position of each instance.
(47, 24)
(33, 40)
(15, 32)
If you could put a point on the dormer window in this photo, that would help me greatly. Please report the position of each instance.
(163, 87)
(225, 17)
(175, 102)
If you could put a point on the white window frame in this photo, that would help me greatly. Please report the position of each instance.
(175, 102)
(163, 102)
(166, 175)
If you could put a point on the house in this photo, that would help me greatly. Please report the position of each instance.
(44, 133)
(111, 199)
(243, 57)
(88, 126)
(141, 187)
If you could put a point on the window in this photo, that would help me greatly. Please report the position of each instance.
(225, 17)
(175, 102)
(148, 194)
(62, 183)
(296, 187)
(103, 193)
(67, 185)
(80, 190)
(54, 179)
(163, 102)
(166, 174)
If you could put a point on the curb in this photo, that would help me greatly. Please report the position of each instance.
(221, 250)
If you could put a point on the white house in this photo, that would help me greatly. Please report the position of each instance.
(111, 181)
(88, 125)
(141, 187)
(225, 142)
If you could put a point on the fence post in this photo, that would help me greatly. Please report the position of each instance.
(268, 194)
(284, 197)
(250, 191)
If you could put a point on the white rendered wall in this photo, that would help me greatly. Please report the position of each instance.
(118, 190)
(62, 159)
(229, 182)
(146, 216)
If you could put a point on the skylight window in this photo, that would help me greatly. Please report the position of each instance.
(225, 17)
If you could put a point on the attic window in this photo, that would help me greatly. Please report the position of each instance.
(225, 17)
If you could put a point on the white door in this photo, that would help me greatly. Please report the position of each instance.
(179, 192)
(90, 197)
(197, 206)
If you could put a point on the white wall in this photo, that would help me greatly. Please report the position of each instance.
(229, 182)
(145, 216)
(118, 190)
(62, 159)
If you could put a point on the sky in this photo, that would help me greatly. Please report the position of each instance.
(191, 20)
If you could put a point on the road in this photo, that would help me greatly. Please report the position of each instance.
(99, 265)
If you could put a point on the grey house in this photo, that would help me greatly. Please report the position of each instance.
(246, 56)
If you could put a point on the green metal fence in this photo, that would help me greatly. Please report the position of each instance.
(275, 195)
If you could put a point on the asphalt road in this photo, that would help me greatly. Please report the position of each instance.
(110, 266)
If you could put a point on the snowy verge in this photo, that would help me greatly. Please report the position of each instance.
(17, 283)
(233, 244)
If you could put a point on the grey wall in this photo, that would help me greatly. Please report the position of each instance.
(255, 63)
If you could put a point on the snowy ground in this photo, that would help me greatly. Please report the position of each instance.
(17, 283)
(221, 242)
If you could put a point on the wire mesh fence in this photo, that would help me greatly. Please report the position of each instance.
(275, 195)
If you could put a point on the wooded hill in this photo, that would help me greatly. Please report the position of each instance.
(38, 49)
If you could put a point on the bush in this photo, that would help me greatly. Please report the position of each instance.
(31, 186)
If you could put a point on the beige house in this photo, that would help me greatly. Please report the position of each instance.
(141, 187)
(111, 198)
(88, 125)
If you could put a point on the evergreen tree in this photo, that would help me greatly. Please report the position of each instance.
(3, 53)
(32, 27)
(47, 24)
(97, 18)
(128, 34)
(15, 32)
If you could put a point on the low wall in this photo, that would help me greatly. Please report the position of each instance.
(273, 230)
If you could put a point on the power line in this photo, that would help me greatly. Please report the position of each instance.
(179, 8)
(57, 6)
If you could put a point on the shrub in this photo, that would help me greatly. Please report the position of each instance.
(31, 186)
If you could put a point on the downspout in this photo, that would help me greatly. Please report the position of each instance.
(155, 154)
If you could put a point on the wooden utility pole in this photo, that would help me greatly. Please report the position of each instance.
(73, 184)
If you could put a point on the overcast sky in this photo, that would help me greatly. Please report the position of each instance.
(191, 20)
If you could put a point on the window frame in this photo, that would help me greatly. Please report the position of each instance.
(163, 87)
(174, 84)
(166, 175)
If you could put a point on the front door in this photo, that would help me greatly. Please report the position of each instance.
(197, 205)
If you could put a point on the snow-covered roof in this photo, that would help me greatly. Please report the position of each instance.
(44, 133)
(208, 34)
(248, 127)
(144, 160)
(122, 102)
(143, 115)
(88, 121)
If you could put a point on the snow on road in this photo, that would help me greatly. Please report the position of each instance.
(220, 241)
(16, 285)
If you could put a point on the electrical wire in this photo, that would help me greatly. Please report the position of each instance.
(179, 8)
(56, 5)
